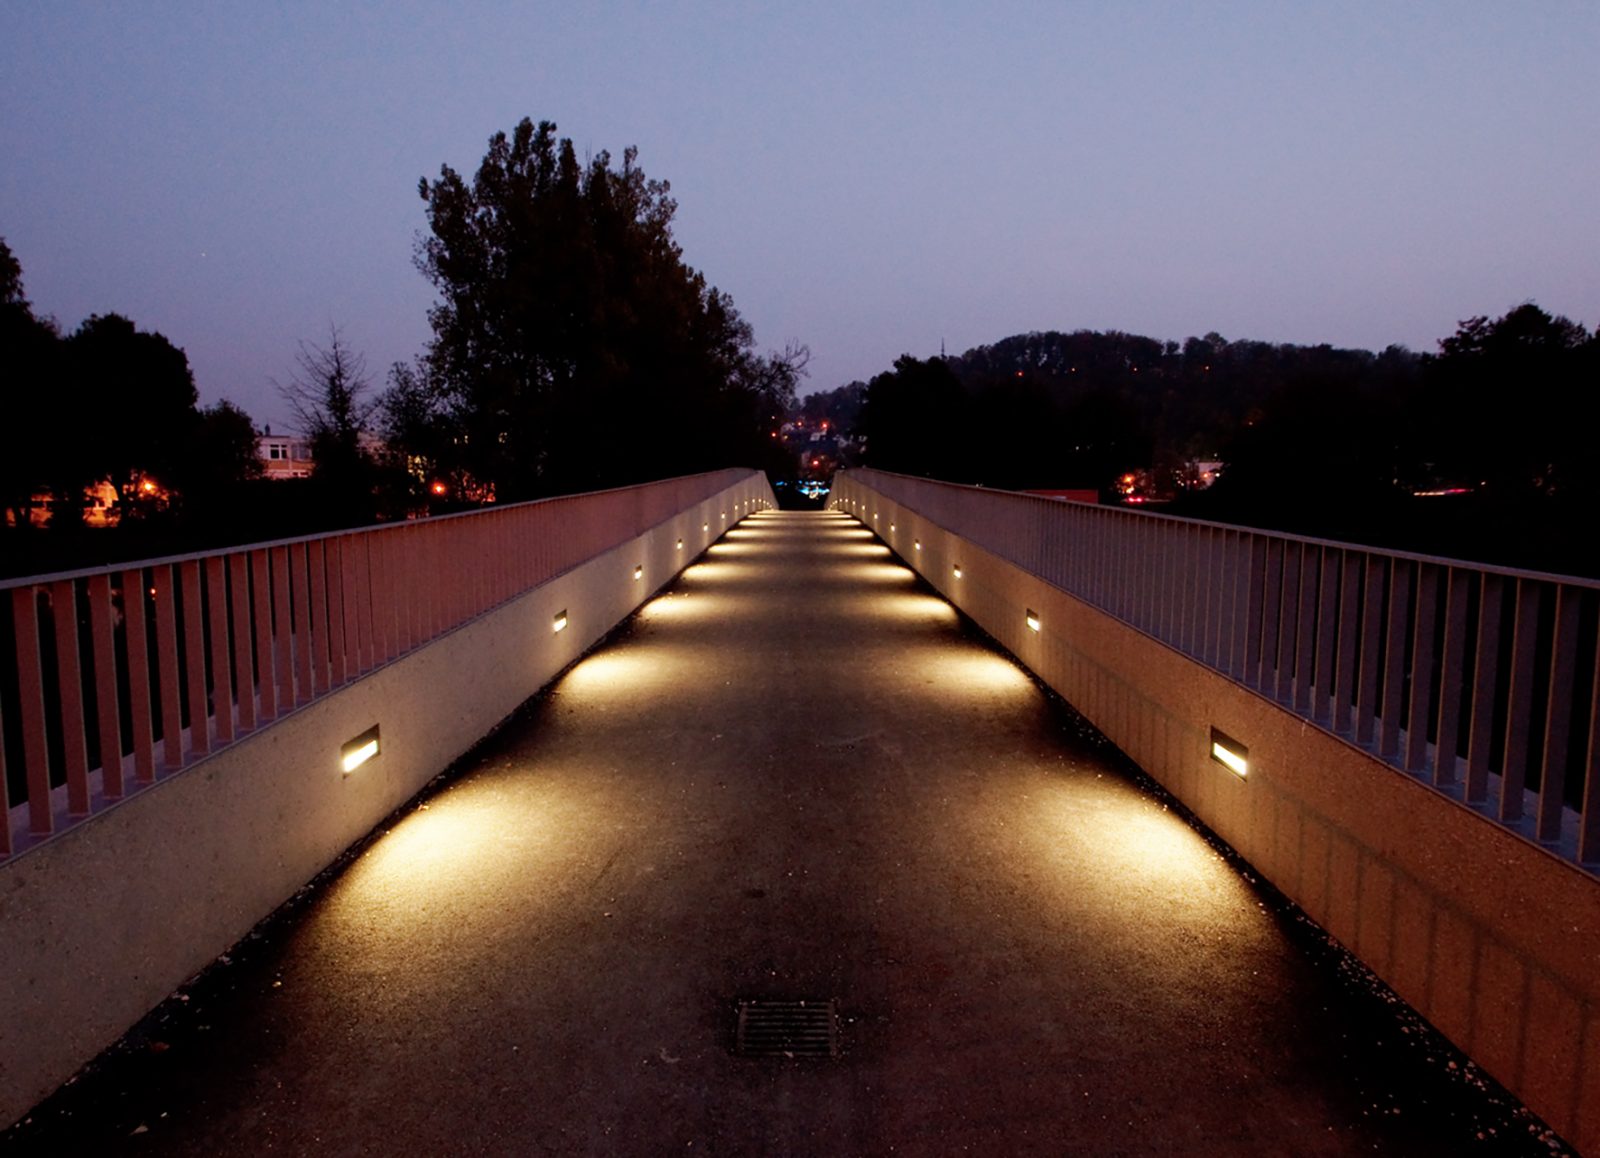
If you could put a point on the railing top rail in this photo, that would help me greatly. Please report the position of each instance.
(218, 552)
(1409, 556)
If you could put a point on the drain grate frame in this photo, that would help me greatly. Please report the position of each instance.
(787, 1029)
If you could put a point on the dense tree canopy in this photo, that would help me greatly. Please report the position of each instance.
(1342, 443)
(33, 405)
(136, 408)
(108, 403)
(573, 347)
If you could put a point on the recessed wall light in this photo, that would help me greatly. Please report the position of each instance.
(357, 752)
(560, 622)
(1031, 618)
(1231, 754)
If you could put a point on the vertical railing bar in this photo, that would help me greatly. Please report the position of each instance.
(69, 690)
(1312, 564)
(1186, 549)
(1394, 657)
(365, 603)
(1165, 570)
(395, 541)
(108, 707)
(136, 636)
(1558, 714)
(382, 609)
(1452, 669)
(317, 577)
(166, 577)
(266, 659)
(1235, 591)
(338, 585)
(1371, 632)
(356, 624)
(1202, 637)
(1519, 697)
(1286, 622)
(244, 668)
(1485, 688)
(1589, 811)
(194, 658)
(221, 660)
(1322, 681)
(1272, 600)
(1257, 579)
(1422, 667)
(432, 571)
(30, 688)
(6, 840)
(1347, 675)
(1288, 626)
(298, 561)
(282, 628)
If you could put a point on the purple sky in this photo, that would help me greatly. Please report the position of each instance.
(863, 178)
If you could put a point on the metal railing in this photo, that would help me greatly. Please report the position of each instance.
(155, 664)
(1483, 682)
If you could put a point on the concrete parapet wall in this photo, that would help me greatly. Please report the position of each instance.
(1490, 937)
(102, 922)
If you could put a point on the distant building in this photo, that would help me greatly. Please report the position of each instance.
(284, 455)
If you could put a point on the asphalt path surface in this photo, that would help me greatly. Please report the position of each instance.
(796, 774)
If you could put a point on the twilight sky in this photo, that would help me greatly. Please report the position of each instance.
(866, 178)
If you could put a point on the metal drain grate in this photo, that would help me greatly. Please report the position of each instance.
(787, 1029)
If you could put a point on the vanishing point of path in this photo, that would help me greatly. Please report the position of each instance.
(795, 775)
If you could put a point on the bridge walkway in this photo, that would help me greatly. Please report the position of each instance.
(795, 775)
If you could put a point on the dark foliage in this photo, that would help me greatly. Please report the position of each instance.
(109, 403)
(331, 397)
(1340, 443)
(573, 348)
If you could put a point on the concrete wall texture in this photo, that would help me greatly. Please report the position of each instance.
(1495, 941)
(101, 923)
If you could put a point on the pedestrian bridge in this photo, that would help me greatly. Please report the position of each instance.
(799, 775)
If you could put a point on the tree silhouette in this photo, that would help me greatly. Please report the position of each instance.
(573, 347)
(331, 397)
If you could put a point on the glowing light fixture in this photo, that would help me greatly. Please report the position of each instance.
(680, 544)
(705, 526)
(560, 622)
(917, 544)
(638, 572)
(1032, 619)
(1231, 754)
(957, 570)
(357, 752)
(891, 528)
